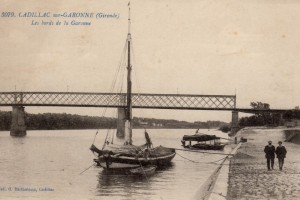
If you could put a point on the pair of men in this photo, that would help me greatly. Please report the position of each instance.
(270, 154)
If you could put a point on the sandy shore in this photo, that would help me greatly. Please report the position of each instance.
(248, 174)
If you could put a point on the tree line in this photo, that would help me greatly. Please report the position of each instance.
(265, 118)
(55, 121)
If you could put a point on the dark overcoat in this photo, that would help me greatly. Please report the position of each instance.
(280, 152)
(270, 151)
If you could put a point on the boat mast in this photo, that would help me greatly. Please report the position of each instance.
(129, 68)
(128, 128)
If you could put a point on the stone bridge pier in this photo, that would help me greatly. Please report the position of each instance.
(121, 118)
(121, 123)
(235, 122)
(18, 126)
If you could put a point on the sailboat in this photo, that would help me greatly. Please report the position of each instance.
(129, 156)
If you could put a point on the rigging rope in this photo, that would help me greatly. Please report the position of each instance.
(95, 136)
(135, 70)
(122, 80)
(112, 139)
(212, 162)
(116, 74)
(87, 168)
(105, 139)
(119, 67)
(121, 62)
(196, 151)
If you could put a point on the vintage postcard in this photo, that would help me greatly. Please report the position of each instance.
(156, 99)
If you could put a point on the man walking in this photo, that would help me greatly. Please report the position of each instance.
(270, 155)
(280, 152)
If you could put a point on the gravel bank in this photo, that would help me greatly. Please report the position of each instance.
(248, 174)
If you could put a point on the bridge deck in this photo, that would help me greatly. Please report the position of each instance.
(115, 100)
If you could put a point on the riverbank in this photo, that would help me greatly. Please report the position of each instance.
(215, 187)
(248, 174)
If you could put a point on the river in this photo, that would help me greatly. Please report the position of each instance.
(47, 165)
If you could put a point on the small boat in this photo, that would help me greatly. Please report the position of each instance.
(203, 141)
(127, 156)
(146, 170)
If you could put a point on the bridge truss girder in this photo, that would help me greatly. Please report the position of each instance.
(154, 101)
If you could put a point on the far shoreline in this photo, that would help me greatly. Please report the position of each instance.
(217, 128)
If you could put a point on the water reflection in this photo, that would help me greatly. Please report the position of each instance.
(124, 185)
(118, 183)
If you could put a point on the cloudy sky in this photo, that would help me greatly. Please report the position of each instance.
(190, 47)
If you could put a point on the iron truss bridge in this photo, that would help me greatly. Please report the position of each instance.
(114, 100)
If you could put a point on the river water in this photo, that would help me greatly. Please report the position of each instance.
(47, 165)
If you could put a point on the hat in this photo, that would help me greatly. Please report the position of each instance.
(279, 142)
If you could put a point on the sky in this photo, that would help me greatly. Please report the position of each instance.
(247, 48)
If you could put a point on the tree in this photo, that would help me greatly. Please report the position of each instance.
(260, 105)
(261, 118)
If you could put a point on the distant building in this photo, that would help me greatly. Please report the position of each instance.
(143, 123)
(156, 124)
(290, 124)
(297, 122)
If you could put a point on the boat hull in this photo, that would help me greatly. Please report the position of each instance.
(202, 139)
(206, 147)
(129, 162)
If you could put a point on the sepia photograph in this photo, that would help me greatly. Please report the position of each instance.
(155, 100)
